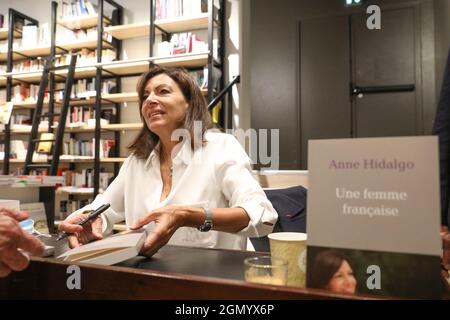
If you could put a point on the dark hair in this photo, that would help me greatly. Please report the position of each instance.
(146, 140)
(324, 266)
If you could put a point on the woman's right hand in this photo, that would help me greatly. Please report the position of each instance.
(82, 234)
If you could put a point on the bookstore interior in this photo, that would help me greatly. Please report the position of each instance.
(343, 102)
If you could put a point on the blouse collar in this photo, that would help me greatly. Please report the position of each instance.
(184, 154)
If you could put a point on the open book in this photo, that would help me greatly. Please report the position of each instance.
(108, 251)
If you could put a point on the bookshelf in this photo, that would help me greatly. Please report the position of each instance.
(110, 34)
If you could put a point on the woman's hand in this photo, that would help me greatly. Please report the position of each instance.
(167, 220)
(92, 230)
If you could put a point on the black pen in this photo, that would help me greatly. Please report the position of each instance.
(94, 214)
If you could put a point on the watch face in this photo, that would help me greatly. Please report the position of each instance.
(206, 226)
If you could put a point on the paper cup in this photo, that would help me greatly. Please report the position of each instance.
(291, 246)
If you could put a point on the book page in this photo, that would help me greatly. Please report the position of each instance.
(121, 240)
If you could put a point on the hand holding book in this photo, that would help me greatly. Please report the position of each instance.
(167, 220)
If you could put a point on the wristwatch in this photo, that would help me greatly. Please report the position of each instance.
(208, 224)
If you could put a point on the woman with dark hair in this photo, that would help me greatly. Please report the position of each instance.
(333, 272)
(182, 175)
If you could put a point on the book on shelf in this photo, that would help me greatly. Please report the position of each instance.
(182, 43)
(30, 36)
(84, 149)
(46, 146)
(108, 251)
(76, 9)
(69, 36)
(83, 179)
(6, 180)
(5, 114)
(216, 75)
(18, 149)
(168, 9)
(68, 206)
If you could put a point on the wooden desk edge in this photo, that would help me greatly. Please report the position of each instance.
(46, 279)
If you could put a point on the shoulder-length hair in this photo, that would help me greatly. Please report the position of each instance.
(324, 266)
(147, 140)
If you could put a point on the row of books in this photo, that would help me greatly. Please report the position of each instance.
(84, 178)
(34, 36)
(83, 116)
(85, 148)
(26, 65)
(77, 117)
(4, 44)
(66, 207)
(69, 36)
(82, 89)
(30, 180)
(26, 92)
(76, 9)
(84, 57)
(180, 43)
(199, 77)
(72, 149)
(167, 9)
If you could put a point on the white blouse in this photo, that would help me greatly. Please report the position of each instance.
(217, 175)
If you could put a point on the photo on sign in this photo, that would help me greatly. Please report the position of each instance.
(389, 274)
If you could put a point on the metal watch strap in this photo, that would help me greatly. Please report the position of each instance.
(208, 224)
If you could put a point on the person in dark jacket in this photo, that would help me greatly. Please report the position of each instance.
(441, 128)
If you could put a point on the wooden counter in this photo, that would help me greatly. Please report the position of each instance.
(173, 273)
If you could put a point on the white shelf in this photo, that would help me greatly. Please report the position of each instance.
(128, 31)
(80, 44)
(83, 22)
(121, 68)
(135, 30)
(42, 51)
(75, 190)
(4, 33)
(108, 98)
(106, 127)
(27, 105)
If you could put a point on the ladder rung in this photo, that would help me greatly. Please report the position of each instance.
(38, 165)
(47, 114)
(55, 90)
(61, 67)
(45, 140)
